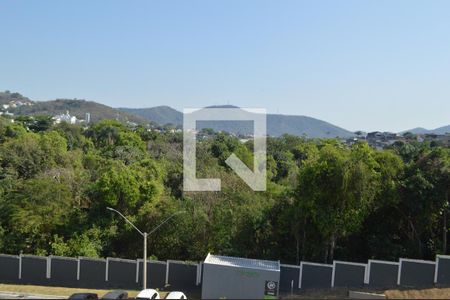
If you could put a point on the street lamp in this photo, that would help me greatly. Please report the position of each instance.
(145, 234)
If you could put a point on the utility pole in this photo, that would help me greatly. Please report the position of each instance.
(144, 235)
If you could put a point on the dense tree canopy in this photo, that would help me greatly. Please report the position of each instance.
(324, 200)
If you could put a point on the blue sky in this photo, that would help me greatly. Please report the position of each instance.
(370, 65)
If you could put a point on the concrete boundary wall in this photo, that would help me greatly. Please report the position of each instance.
(181, 274)
(121, 272)
(126, 273)
(322, 271)
(289, 275)
(382, 273)
(10, 270)
(416, 272)
(92, 272)
(156, 273)
(63, 270)
(199, 273)
(34, 269)
(442, 270)
(354, 276)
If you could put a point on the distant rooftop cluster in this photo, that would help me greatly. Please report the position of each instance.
(4, 109)
(71, 119)
(380, 140)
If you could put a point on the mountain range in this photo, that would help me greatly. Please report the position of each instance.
(277, 124)
(77, 108)
(421, 130)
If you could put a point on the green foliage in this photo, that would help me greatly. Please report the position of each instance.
(36, 123)
(336, 191)
(77, 108)
(125, 187)
(30, 153)
(34, 210)
(86, 244)
(324, 199)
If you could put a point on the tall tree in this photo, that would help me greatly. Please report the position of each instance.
(336, 191)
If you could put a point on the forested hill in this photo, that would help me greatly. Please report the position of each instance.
(77, 108)
(325, 200)
(302, 125)
(277, 124)
(158, 114)
(420, 130)
(6, 97)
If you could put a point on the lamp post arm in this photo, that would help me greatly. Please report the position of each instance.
(145, 234)
(165, 221)
(128, 221)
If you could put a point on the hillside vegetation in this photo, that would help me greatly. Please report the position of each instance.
(159, 114)
(324, 199)
(7, 96)
(77, 108)
(440, 130)
(277, 125)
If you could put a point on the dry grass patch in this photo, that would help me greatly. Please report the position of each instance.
(426, 293)
(430, 293)
(319, 294)
(59, 291)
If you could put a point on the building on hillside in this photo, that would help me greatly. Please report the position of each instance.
(439, 139)
(65, 118)
(6, 113)
(379, 140)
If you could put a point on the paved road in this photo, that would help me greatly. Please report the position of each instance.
(12, 295)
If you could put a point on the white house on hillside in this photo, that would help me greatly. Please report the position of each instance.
(65, 118)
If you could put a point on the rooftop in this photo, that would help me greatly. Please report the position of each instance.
(242, 262)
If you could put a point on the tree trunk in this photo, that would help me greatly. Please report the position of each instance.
(303, 243)
(332, 247)
(415, 235)
(444, 232)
